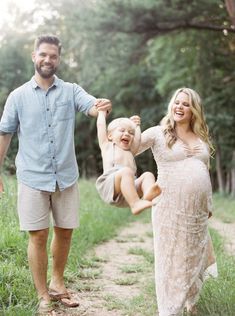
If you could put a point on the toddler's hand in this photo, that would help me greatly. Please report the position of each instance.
(103, 105)
(136, 119)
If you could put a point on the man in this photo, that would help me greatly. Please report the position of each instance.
(42, 111)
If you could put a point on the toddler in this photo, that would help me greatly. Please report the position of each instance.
(118, 185)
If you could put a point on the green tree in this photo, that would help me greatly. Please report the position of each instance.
(137, 52)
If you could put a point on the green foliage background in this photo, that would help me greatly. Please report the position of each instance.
(136, 53)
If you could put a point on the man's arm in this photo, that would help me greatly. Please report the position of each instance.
(137, 139)
(100, 105)
(5, 140)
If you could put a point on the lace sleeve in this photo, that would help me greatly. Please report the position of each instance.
(148, 139)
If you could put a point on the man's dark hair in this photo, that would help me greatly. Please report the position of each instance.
(49, 39)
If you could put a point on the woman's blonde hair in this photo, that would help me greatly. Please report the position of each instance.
(198, 122)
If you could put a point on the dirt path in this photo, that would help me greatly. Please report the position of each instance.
(116, 272)
(226, 230)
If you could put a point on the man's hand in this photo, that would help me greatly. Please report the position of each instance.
(103, 105)
(136, 119)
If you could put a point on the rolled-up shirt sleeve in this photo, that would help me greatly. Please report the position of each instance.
(83, 100)
(10, 121)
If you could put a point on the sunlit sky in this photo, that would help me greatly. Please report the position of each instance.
(23, 5)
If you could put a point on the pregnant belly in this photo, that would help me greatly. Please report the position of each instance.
(186, 194)
(190, 176)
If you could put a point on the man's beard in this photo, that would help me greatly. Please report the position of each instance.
(46, 74)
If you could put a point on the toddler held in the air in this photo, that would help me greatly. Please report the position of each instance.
(118, 184)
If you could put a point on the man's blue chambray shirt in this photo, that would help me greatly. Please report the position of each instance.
(44, 121)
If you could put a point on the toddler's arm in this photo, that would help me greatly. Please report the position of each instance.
(136, 142)
(101, 128)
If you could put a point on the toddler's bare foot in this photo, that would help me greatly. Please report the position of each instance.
(139, 206)
(153, 192)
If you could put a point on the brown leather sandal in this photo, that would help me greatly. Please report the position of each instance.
(68, 299)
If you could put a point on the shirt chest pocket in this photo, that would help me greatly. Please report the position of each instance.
(64, 110)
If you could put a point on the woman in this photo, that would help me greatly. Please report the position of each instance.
(182, 245)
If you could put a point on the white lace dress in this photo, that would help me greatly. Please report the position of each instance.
(182, 244)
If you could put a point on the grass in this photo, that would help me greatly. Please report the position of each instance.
(141, 305)
(217, 297)
(132, 268)
(126, 281)
(128, 238)
(89, 273)
(142, 252)
(224, 208)
(98, 223)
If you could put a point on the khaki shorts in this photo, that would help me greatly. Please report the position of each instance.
(35, 208)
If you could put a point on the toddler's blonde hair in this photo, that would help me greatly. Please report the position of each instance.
(119, 121)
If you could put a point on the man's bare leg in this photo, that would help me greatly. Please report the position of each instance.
(124, 182)
(60, 246)
(38, 261)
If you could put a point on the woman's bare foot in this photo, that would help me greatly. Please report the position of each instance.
(192, 311)
(140, 205)
(153, 192)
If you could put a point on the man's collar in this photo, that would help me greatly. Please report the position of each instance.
(35, 84)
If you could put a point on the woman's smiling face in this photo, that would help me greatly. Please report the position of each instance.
(181, 110)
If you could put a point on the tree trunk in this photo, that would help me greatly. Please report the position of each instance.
(230, 6)
(228, 182)
(233, 175)
(219, 171)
